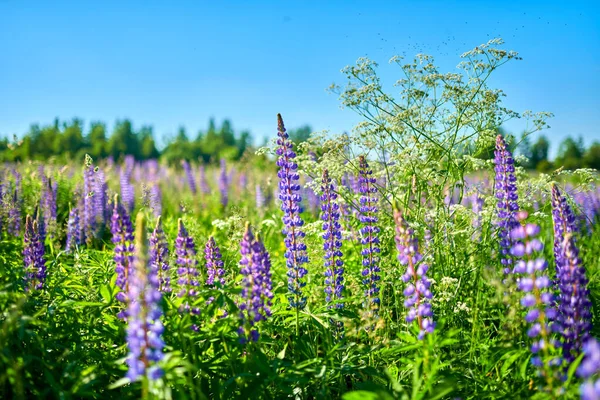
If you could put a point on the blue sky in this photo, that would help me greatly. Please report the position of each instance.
(179, 64)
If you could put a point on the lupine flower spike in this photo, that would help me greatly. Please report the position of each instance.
(33, 256)
(369, 235)
(74, 233)
(417, 291)
(332, 237)
(122, 237)
(144, 328)
(159, 257)
(214, 263)
(574, 305)
(506, 194)
(187, 270)
(256, 286)
(290, 205)
(533, 282)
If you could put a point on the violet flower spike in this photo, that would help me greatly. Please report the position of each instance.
(214, 263)
(187, 270)
(574, 305)
(290, 205)
(369, 235)
(530, 268)
(256, 286)
(506, 194)
(332, 237)
(122, 237)
(417, 292)
(33, 257)
(190, 175)
(159, 257)
(74, 233)
(224, 183)
(144, 327)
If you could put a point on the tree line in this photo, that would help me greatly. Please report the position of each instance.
(67, 140)
(572, 154)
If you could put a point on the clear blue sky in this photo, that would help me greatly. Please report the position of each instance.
(169, 65)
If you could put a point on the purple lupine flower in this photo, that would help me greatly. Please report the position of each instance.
(88, 215)
(33, 256)
(144, 327)
(122, 237)
(41, 225)
(290, 205)
(127, 191)
(156, 199)
(369, 234)
(530, 268)
(187, 270)
(418, 293)
(214, 263)
(506, 194)
(256, 286)
(100, 205)
(334, 265)
(159, 257)
(574, 305)
(204, 187)
(48, 201)
(190, 175)
(224, 183)
(260, 198)
(564, 222)
(74, 233)
(13, 223)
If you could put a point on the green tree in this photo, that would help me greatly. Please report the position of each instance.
(539, 152)
(123, 141)
(148, 146)
(570, 153)
(591, 158)
(97, 143)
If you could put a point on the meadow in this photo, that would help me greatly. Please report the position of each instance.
(394, 262)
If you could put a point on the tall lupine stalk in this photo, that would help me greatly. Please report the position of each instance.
(214, 263)
(204, 187)
(260, 198)
(187, 270)
(13, 223)
(48, 201)
(290, 205)
(88, 215)
(189, 175)
(506, 194)
(538, 299)
(256, 286)
(369, 235)
(332, 237)
(574, 305)
(417, 291)
(127, 188)
(101, 208)
(122, 238)
(159, 257)
(144, 328)
(74, 232)
(33, 256)
(224, 183)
